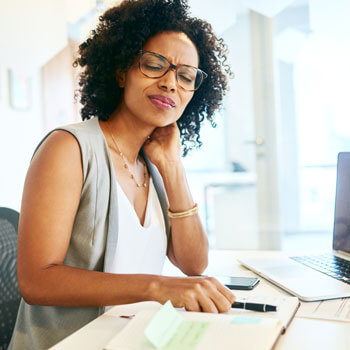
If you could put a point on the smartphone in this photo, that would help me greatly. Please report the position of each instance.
(242, 283)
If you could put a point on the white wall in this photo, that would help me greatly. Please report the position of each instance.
(20, 131)
(31, 33)
(234, 205)
(239, 111)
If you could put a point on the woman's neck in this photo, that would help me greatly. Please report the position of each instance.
(127, 132)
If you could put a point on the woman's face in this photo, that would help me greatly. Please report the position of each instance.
(144, 97)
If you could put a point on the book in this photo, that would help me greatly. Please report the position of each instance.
(155, 326)
(287, 306)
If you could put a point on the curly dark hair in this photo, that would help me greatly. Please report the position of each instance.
(115, 43)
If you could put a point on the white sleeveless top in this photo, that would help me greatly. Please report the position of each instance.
(140, 249)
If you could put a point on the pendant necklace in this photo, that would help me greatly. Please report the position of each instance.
(126, 166)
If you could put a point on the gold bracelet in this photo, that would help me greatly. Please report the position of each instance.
(183, 214)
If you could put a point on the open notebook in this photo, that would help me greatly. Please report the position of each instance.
(162, 327)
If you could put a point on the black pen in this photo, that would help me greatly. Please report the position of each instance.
(254, 306)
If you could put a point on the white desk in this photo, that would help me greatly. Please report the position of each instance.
(302, 333)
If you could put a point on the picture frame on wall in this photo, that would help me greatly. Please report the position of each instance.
(19, 90)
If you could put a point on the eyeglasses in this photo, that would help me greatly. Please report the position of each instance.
(155, 66)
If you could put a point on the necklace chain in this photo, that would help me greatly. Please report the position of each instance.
(126, 166)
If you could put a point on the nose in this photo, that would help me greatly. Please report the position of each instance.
(168, 81)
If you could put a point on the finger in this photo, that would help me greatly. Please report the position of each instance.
(224, 290)
(201, 292)
(189, 300)
(192, 305)
(222, 302)
(207, 304)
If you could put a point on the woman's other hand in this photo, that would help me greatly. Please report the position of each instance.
(164, 146)
(194, 293)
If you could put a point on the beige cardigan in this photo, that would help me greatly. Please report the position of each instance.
(93, 240)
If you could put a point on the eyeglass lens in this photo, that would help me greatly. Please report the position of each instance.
(154, 66)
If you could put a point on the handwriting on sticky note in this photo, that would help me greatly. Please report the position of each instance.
(169, 331)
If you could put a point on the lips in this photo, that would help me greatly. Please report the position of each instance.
(162, 102)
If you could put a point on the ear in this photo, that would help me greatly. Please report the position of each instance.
(121, 79)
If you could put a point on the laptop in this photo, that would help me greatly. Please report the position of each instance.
(318, 276)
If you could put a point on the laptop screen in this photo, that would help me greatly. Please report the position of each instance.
(341, 234)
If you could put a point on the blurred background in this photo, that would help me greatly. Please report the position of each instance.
(265, 176)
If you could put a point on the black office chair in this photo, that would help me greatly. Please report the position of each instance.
(9, 292)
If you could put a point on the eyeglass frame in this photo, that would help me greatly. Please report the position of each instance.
(172, 67)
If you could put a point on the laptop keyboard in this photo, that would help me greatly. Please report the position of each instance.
(329, 264)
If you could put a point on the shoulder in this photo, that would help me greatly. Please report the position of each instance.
(55, 173)
(57, 144)
(69, 141)
(80, 145)
(58, 154)
(87, 127)
(64, 146)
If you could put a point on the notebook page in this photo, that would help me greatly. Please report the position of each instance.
(335, 310)
(133, 309)
(240, 337)
(132, 336)
(224, 330)
(224, 333)
(287, 306)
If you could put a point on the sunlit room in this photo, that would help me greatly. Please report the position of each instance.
(262, 174)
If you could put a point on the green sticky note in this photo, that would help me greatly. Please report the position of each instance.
(163, 325)
(246, 320)
(169, 331)
(187, 336)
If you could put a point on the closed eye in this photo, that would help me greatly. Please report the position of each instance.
(185, 78)
(153, 67)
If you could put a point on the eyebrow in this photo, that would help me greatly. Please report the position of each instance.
(166, 59)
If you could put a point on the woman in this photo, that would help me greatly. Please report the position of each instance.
(106, 200)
